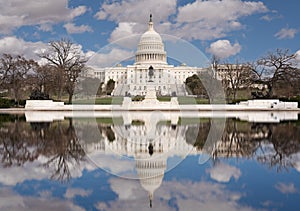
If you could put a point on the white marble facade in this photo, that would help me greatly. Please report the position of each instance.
(150, 57)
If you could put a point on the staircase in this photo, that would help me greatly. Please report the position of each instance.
(179, 89)
(120, 90)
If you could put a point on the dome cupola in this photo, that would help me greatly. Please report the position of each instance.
(150, 48)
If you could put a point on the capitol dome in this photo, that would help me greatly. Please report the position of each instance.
(150, 48)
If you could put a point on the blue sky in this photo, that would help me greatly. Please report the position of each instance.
(230, 29)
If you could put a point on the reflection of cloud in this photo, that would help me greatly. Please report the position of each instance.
(112, 163)
(127, 189)
(13, 175)
(295, 160)
(36, 171)
(173, 195)
(131, 196)
(33, 170)
(223, 172)
(13, 201)
(286, 188)
(72, 192)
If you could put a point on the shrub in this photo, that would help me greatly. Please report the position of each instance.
(6, 103)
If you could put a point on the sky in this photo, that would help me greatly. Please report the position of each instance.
(230, 29)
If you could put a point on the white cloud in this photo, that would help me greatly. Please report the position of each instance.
(16, 13)
(286, 188)
(298, 55)
(286, 33)
(72, 192)
(30, 50)
(223, 172)
(123, 29)
(204, 20)
(271, 16)
(46, 27)
(218, 11)
(130, 10)
(224, 49)
(111, 58)
(297, 62)
(207, 20)
(13, 45)
(73, 29)
(267, 18)
(130, 21)
(126, 35)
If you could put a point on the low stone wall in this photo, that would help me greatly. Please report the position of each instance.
(128, 105)
(270, 103)
(43, 105)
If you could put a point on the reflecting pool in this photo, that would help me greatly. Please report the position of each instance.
(149, 161)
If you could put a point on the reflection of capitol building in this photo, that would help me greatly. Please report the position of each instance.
(150, 67)
(150, 148)
(151, 172)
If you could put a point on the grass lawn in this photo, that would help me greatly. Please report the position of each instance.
(100, 101)
(183, 100)
(110, 121)
(164, 98)
(118, 100)
(191, 100)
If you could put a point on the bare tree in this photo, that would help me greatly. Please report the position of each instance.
(275, 67)
(215, 61)
(46, 80)
(15, 71)
(68, 61)
(235, 76)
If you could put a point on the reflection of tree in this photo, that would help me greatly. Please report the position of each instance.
(285, 142)
(237, 140)
(106, 131)
(271, 144)
(16, 145)
(109, 134)
(64, 150)
(21, 142)
(197, 135)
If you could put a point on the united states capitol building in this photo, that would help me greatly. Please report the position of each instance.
(149, 69)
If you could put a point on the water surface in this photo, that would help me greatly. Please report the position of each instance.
(108, 164)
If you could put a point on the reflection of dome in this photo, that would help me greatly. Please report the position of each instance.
(151, 172)
(150, 48)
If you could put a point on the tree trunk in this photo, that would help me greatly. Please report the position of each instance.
(70, 97)
(234, 94)
(59, 94)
